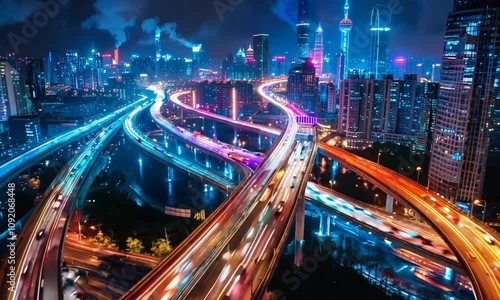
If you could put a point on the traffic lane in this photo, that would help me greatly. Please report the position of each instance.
(477, 263)
(251, 223)
(147, 290)
(262, 258)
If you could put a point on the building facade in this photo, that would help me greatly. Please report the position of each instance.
(469, 87)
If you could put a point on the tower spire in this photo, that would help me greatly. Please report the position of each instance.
(346, 9)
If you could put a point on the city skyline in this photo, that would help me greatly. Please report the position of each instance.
(213, 26)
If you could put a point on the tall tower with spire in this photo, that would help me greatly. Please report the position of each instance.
(303, 29)
(318, 51)
(345, 27)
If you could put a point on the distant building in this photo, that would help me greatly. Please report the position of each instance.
(13, 98)
(303, 87)
(318, 55)
(278, 66)
(25, 129)
(327, 97)
(303, 24)
(261, 55)
(379, 44)
(233, 99)
(36, 79)
(384, 110)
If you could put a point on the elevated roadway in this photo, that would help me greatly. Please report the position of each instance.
(247, 163)
(38, 250)
(419, 238)
(475, 245)
(171, 158)
(10, 169)
(206, 242)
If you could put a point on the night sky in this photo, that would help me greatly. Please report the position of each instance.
(80, 24)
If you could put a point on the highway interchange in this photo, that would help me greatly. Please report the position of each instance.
(222, 267)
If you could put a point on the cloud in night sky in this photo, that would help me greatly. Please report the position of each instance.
(115, 17)
(150, 25)
(286, 11)
(12, 12)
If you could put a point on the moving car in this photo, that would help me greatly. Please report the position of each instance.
(40, 233)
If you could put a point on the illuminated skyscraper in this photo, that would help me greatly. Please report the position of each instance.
(303, 29)
(35, 78)
(13, 100)
(468, 88)
(303, 87)
(261, 55)
(318, 52)
(379, 48)
(157, 43)
(196, 60)
(345, 27)
(116, 60)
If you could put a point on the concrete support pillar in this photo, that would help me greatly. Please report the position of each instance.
(324, 224)
(316, 161)
(235, 136)
(259, 141)
(182, 114)
(299, 231)
(320, 231)
(389, 204)
(328, 224)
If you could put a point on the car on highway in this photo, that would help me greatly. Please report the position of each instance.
(280, 206)
(40, 233)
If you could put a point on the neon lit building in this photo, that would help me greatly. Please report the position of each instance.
(379, 47)
(232, 99)
(303, 87)
(469, 86)
(303, 29)
(261, 55)
(318, 52)
(13, 100)
(345, 27)
(157, 43)
(196, 61)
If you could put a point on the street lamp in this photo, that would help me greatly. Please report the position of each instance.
(227, 189)
(476, 202)
(418, 174)
(378, 157)
(331, 184)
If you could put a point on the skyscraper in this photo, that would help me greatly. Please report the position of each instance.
(302, 88)
(468, 88)
(157, 43)
(196, 60)
(13, 100)
(379, 46)
(261, 55)
(318, 52)
(35, 78)
(345, 27)
(303, 29)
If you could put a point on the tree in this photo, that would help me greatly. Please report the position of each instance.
(102, 240)
(134, 245)
(161, 247)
